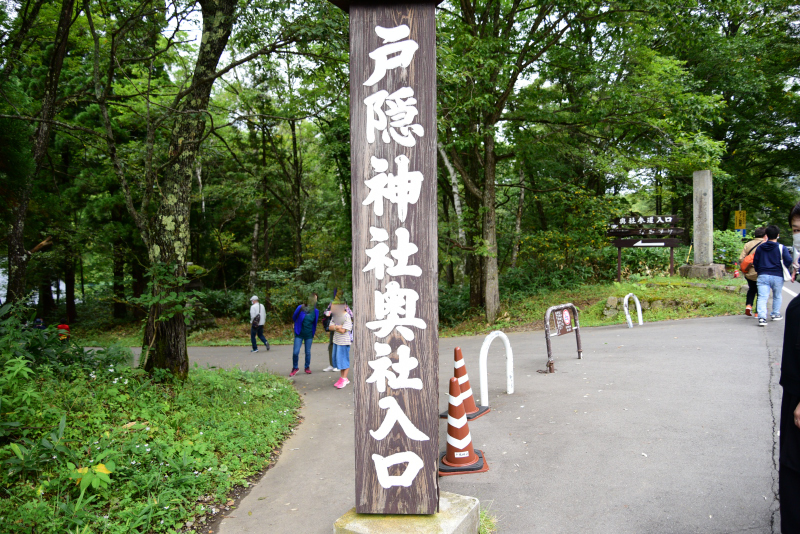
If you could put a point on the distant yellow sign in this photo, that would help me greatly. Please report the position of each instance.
(741, 219)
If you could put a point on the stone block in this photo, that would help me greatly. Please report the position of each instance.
(612, 302)
(645, 305)
(657, 304)
(713, 270)
(458, 514)
(610, 312)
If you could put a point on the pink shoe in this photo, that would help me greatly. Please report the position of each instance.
(342, 382)
(308, 371)
(294, 372)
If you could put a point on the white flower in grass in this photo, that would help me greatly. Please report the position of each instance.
(201, 433)
(148, 450)
(133, 462)
(126, 381)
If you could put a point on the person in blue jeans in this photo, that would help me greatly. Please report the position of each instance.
(771, 260)
(305, 318)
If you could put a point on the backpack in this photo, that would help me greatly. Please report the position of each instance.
(747, 262)
(257, 318)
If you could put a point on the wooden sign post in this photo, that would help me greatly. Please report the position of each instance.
(643, 228)
(395, 351)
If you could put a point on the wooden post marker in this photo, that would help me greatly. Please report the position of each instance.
(393, 183)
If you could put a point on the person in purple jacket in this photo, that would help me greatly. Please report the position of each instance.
(305, 318)
(772, 262)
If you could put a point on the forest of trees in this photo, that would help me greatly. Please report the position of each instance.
(147, 144)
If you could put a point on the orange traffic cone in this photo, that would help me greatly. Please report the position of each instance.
(460, 372)
(460, 458)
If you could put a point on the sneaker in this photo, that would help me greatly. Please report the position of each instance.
(346, 381)
(748, 311)
(339, 383)
(336, 369)
(266, 345)
(328, 369)
(294, 371)
(762, 322)
(777, 317)
(256, 350)
(308, 371)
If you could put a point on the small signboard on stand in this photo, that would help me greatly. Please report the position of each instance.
(645, 231)
(740, 218)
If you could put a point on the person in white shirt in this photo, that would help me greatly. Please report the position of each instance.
(342, 328)
(258, 315)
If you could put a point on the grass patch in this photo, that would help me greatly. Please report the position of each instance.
(114, 450)
(527, 313)
(488, 523)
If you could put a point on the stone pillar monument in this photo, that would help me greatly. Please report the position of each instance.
(703, 231)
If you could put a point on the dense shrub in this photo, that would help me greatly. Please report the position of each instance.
(727, 247)
(89, 445)
(231, 303)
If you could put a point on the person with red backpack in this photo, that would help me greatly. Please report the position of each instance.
(746, 265)
(773, 263)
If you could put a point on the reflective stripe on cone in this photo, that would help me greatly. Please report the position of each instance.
(459, 441)
(461, 457)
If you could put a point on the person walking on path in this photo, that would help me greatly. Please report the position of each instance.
(772, 262)
(305, 318)
(258, 315)
(750, 274)
(326, 322)
(342, 326)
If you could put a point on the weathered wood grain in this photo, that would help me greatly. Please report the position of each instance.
(420, 406)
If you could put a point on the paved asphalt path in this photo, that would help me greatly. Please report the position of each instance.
(665, 428)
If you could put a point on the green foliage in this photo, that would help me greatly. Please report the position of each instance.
(727, 247)
(291, 288)
(231, 303)
(128, 453)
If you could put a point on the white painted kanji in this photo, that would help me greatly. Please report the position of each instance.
(396, 309)
(395, 415)
(382, 465)
(401, 189)
(397, 121)
(401, 52)
(381, 375)
(378, 260)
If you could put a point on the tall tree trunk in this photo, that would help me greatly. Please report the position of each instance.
(518, 222)
(139, 285)
(253, 280)
(170, 233)
(69, 283)
(267, 284)
(46, 303)
(118, 281)
(490, 276)
(456, 199)
(18, 256)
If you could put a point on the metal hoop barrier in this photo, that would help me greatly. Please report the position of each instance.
(628, 313)
(483, 371)
(567, 330)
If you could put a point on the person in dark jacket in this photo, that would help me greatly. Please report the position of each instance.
(769, 261)
(305, 319)
(759, 237)
(789, 460)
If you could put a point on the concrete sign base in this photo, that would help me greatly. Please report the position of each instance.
(714, 270)
(458, 514)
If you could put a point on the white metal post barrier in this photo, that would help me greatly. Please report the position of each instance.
(483, 371)
(638, 309)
